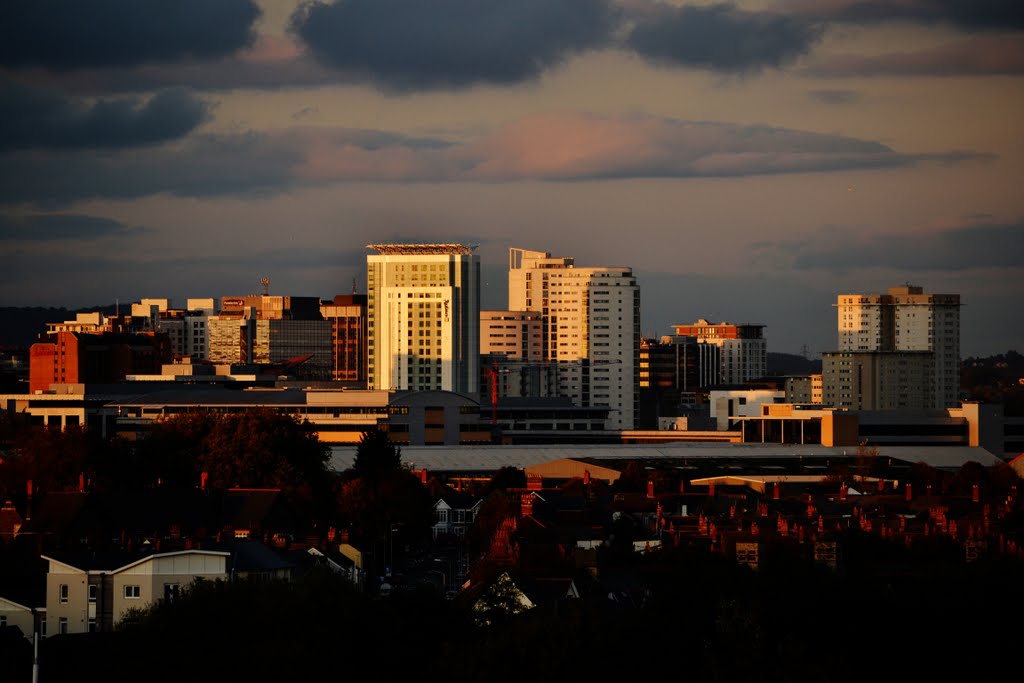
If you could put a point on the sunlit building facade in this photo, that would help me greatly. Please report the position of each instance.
(591, 328)
(423, 317)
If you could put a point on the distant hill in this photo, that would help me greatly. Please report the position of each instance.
(21, 326)
(792, 364)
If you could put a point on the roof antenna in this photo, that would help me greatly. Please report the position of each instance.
(353, 285)
(265, 281)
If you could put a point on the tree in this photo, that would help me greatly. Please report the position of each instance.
(376, 455)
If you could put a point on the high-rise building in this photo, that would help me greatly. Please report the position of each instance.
(906, 320)
(744, 349)
(423, 317)
(591, 328)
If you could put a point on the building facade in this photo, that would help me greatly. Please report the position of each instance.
(263, 329)
(76, 357)
(744, 349)
(347, 315)
(907, 319)
(423, 317)
(591, 328)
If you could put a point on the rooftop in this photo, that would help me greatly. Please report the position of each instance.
(407, 249)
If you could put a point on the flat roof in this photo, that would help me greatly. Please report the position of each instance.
(436, 248)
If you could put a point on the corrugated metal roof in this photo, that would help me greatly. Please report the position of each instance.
(492, 457)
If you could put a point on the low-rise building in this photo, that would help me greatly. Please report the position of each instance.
(90, 592)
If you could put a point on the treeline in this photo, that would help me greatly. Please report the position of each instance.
(691, 615)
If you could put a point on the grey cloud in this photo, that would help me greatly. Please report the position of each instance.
(70, 34)
(956, 249)
(976, 56)
(412, 45)
(35, 118)
(997, 15)
(834, 96)
(58, 227)
(722, 37)
(567, 147)
(247, 164)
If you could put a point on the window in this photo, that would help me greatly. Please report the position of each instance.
(63, 592)
(92, 592)
(92, 625)
(62, 624)
(171, 591)
(132, 592)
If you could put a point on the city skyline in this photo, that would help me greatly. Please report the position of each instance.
(748, 162)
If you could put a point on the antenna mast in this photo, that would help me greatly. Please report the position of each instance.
(265, 281)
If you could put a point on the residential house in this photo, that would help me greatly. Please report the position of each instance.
(94, 591)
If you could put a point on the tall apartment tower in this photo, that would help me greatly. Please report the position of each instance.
(591, 328)
(744, 349)
(907, 320)
(423, 317)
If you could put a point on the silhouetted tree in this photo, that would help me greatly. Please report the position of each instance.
(376, 455)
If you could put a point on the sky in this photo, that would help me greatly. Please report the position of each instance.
(749, 161)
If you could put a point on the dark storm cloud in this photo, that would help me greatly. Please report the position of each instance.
(34, 118)
(69, 34)
(412, 44)
(834, 96)
(963, 248)
(997, 15)
(722, 37)
(57, 227)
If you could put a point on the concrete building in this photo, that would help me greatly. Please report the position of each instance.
(187, 328)
(674, 375)
(423, 308)
(907, 320)
(972, 425)
(87, 593)
(744, 349)
(515, 334)
(805, 389)
(591, 328)
(878, 380)
(727, 405)
(512, 356)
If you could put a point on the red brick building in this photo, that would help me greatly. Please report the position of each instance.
(77, 358)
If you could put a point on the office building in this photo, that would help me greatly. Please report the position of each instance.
(744, 349)
(264, 329)
(423, 317)
(675, 373)
(591, 328)
(347, 315)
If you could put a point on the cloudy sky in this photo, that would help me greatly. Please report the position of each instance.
(749, 161)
